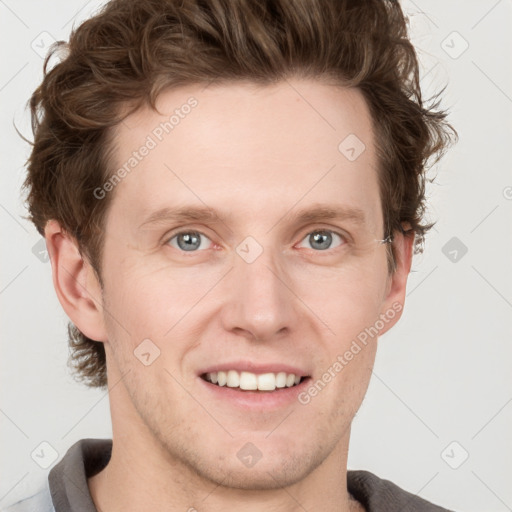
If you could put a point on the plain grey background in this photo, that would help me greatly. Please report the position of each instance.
(438, 414)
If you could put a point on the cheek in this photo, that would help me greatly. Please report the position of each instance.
(348, 306)
(155, 301)
(347, 299)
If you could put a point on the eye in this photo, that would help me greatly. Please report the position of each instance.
(322, 239)
(187, 240)
(192, 241)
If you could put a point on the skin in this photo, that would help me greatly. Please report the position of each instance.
(255, 155)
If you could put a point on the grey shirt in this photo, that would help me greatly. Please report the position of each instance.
(67, 489)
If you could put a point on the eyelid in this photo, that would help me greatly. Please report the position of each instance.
(333, 229)
(345, 237)
(169, 236)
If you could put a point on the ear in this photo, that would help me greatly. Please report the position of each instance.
(394, 299)
(75, 282)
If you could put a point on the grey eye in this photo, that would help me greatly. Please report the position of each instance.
(322, 239)
(187, 240)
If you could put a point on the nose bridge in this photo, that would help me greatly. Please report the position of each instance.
(260, 297)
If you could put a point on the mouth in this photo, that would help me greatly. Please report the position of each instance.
(247, 381)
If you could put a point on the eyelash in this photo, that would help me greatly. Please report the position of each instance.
(345, 239)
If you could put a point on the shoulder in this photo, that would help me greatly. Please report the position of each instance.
(40, 501)
(379, 495)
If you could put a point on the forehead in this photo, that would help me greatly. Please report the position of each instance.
(248, 146)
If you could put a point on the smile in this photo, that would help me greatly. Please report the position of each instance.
(248, 381)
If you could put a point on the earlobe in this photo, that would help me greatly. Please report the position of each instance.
(397, 283)
(75, 282)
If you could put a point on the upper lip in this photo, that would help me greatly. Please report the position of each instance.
(258, 368)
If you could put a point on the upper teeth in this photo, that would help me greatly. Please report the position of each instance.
(248, 380)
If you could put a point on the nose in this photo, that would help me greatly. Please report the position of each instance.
(261, 304)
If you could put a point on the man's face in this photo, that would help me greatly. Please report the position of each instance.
(256, 290)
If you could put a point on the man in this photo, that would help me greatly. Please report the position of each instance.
(231, 194)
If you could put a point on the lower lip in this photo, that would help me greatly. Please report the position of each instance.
(256, 400)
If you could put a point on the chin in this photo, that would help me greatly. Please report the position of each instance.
(272, 474)
(246, 467)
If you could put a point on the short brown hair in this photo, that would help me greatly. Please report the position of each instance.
(133, 49)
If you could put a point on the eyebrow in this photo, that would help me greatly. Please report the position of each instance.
(315, 213)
